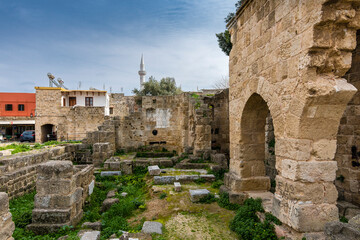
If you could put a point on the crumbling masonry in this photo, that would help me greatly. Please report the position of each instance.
(289, 58)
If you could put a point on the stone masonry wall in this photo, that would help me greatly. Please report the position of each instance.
(348, 139)
(7, 226)
(18, 172)
(289, 57)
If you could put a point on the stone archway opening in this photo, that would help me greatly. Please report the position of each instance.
(348, 145)
(256, 141)
(47, 132)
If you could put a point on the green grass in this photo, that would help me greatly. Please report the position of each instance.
(17, 148)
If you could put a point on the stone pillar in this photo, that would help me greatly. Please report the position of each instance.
(7, 226)
(58, 201)
(305, 197)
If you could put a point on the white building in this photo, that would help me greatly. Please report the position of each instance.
(85, 98)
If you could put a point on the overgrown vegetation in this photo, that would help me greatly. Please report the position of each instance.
(210, 198)
(17, 148)
(248, 226)
(344, 219)
(113, 220)
(224, 202)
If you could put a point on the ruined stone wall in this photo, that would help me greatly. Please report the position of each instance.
(122, 105)
(18, 172)
(219, 106)
(7, 226)
(160, 122)
(288, 57)
(61, 190)
(70, 123)
(348, 139)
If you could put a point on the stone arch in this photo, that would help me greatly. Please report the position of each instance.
(252, 145)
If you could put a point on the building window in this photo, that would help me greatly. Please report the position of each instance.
(8, 107)
(21, 107)
(111, 111)
(89, 101)
(72, 101)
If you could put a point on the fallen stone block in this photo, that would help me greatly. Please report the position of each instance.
(111, 194)
(164, 179)
(93, 235)
(154, 170)
(108, 203)
(152, 227)
(177, 186)
(197, 194)
(92, 225)
(110, 173)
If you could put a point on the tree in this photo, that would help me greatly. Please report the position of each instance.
(224, 41)
(224, 37)
(166, 86)
(222, 83)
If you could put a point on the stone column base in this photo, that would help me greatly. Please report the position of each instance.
(236, 184)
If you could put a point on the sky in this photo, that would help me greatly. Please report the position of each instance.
(100, 42)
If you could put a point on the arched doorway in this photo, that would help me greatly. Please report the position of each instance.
(47, 132)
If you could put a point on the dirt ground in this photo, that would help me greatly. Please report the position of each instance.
(183, 219)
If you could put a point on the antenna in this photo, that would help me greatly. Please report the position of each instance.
(122, 89)
(79, 85)
(104, 86)
(110, 89)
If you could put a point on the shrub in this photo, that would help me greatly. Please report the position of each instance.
(248, 226)
(217, 184)
(224, 202)
(163, 195)
(208, 199)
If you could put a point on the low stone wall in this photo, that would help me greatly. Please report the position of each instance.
(61, 192)
(7, 226)
(18, 172)
(101, 152)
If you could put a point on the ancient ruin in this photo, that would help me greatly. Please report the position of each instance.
(286, 131)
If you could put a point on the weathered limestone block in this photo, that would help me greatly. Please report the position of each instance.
(93, 235)
(309, 171)
(106, 205)
(154, 170)
(177, 187)
(110, 173)
(152, 227)
(197, 194)
(7, 226)
(238, 184)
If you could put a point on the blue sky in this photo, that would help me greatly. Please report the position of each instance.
(100, 42)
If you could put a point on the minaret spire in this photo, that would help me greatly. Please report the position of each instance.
(142, 72)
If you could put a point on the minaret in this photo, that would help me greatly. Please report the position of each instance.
(142, 73)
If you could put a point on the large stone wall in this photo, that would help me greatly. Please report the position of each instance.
(69, 123)
(288, 57)
(348, 139)
(18, 172)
